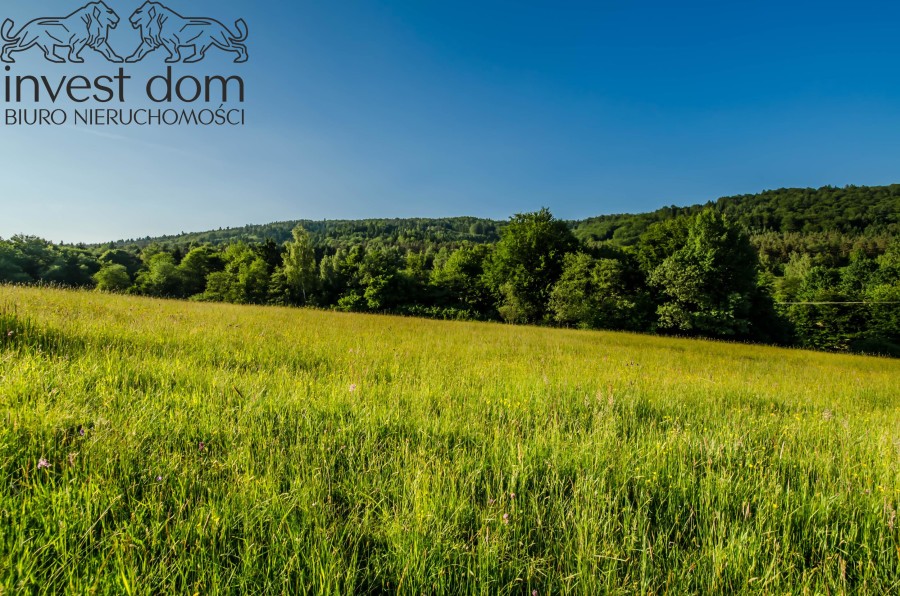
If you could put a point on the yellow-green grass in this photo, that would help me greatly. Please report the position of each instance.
(346, 453)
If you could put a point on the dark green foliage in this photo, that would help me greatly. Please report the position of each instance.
(662, 240)
(196, 267)
(299, 266)
(160, 277)
(406, 234)
(13, 264)
(850, 211)
(459, 282)
(526, 263)
(127, 259)
(244, 280)
(600, 294)
(708, 285)
(709, 270)
(113, 278)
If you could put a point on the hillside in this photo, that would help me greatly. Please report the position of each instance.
(228, 448)
(853, 210)
(413, 233)
(811, 268)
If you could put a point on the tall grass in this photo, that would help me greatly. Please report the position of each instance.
(216, 448)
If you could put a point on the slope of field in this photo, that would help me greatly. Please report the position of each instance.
(168, 447)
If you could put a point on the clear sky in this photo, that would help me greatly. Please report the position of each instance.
(361, 109)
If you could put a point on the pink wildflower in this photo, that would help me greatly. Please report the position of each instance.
(43, 464)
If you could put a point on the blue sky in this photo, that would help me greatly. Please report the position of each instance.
(426, 109)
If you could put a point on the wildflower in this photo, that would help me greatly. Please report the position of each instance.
(43, 464)
(505, 518)
(10, 333)
(201, 446)
(534, 593)
(491, 501)
(352, 387)
(72, 457)
(512, 495)
(81, 431)
(159, 478)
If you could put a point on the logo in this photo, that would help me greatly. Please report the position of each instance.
(159, 27)
(163, 27)
(87, 27)
(105, 99)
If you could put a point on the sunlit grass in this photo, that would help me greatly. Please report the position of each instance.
(220, 448)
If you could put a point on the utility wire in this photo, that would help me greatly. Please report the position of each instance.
(833, 303)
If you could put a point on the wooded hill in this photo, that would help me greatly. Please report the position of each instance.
(852, 211)
(814, 268)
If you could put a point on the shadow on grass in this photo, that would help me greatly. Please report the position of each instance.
(22, 333)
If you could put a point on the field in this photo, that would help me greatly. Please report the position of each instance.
(151, 447)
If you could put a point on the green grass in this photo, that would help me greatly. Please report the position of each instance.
(348, 453)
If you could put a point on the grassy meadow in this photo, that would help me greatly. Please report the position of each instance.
(151, 447)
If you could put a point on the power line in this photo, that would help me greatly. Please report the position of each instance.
(833, 303)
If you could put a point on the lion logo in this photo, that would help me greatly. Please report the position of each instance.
(87, 27)
(163, 27)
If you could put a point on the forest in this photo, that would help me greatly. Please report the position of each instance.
(813, 268)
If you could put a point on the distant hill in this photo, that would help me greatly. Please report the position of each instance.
(404, 233)
(851, 210)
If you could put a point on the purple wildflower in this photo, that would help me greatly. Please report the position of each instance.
(352, 387)
(505, 518)
(201, 446)
(159, 478)
(491, 501)
(534, 593)
(81, 431)
(43, 464)
(512, 495)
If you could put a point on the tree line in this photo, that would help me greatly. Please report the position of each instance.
(697, 273)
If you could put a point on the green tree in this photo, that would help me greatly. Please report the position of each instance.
(245, 279)
(127, 259)
(459, 279)
(160, 278)
(196, 266)
(789, 286)
(112, 278)
(12, 264)
(662, 240)
(527, 262)
(381, 280)
(597, 293)
(709, 286)
(299, 267)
